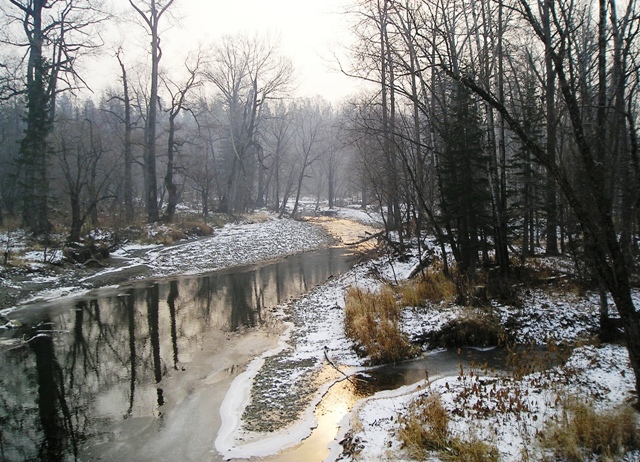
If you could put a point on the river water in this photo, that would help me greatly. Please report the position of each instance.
(81, 366)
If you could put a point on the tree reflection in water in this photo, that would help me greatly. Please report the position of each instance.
(92, 363)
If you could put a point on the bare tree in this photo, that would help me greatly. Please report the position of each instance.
(310, 139)
(56, 34)
(78, 147)
(128, 147)
(151, 12)
(247, 72)
(277, 136)
(178, 94)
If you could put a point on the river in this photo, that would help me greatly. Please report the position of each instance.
(124, 372)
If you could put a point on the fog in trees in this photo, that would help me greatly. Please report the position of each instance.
(505, 129)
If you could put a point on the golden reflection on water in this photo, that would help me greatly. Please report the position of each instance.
(343, 395)
(334, 406)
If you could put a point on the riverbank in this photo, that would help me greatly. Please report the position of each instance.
(163, 352)
(277, 383)
(235, 244)
(512, 412)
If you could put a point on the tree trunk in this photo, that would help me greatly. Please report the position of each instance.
(172, 188)
(128, 148)
(551, 199)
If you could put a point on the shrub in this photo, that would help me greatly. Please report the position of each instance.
(196, 228)
(372, 321)
(474, 328)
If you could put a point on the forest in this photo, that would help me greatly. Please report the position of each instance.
(504, 128)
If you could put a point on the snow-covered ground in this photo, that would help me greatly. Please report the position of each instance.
(476, 404)
(233, 245)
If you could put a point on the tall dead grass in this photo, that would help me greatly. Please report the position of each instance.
(424, 430)
(372, 320)
(583, 432)
(434, 287)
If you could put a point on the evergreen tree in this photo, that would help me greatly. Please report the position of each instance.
(464, 179)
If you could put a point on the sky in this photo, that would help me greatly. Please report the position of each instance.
(311, 32)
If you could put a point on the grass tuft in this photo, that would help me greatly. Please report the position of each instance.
(433, 287)
(424, 429)
(372, 321)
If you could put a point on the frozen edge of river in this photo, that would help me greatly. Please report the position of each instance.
(230, 432)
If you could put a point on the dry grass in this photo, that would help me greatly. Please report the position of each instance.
(583, 432)
(256, 217)
(425, 429)
(372, 321)
(433, 287)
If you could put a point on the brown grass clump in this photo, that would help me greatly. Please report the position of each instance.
(372, 321)
(425, 429)
(433, 287)
(583, 432)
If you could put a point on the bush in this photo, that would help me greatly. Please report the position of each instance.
(474, 328)
(196, 228)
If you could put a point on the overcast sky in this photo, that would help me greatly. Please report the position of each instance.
(310, 32)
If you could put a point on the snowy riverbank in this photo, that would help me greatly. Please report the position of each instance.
(233, 245)
(503, 411)
(280, 398)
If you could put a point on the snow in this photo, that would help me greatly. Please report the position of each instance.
(601, 375)
(315, 334)
(233, 245)
(591, 374)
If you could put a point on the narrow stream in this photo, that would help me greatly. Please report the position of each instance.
(80, 366)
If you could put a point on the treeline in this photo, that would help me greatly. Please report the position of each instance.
(504, 127)
(219, 129)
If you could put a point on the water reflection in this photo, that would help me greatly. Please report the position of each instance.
(89, 363)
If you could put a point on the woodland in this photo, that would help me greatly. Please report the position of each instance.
(504, 128)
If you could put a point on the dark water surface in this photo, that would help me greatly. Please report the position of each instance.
(89, 362)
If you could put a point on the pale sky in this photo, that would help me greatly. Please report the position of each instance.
(310, 32)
